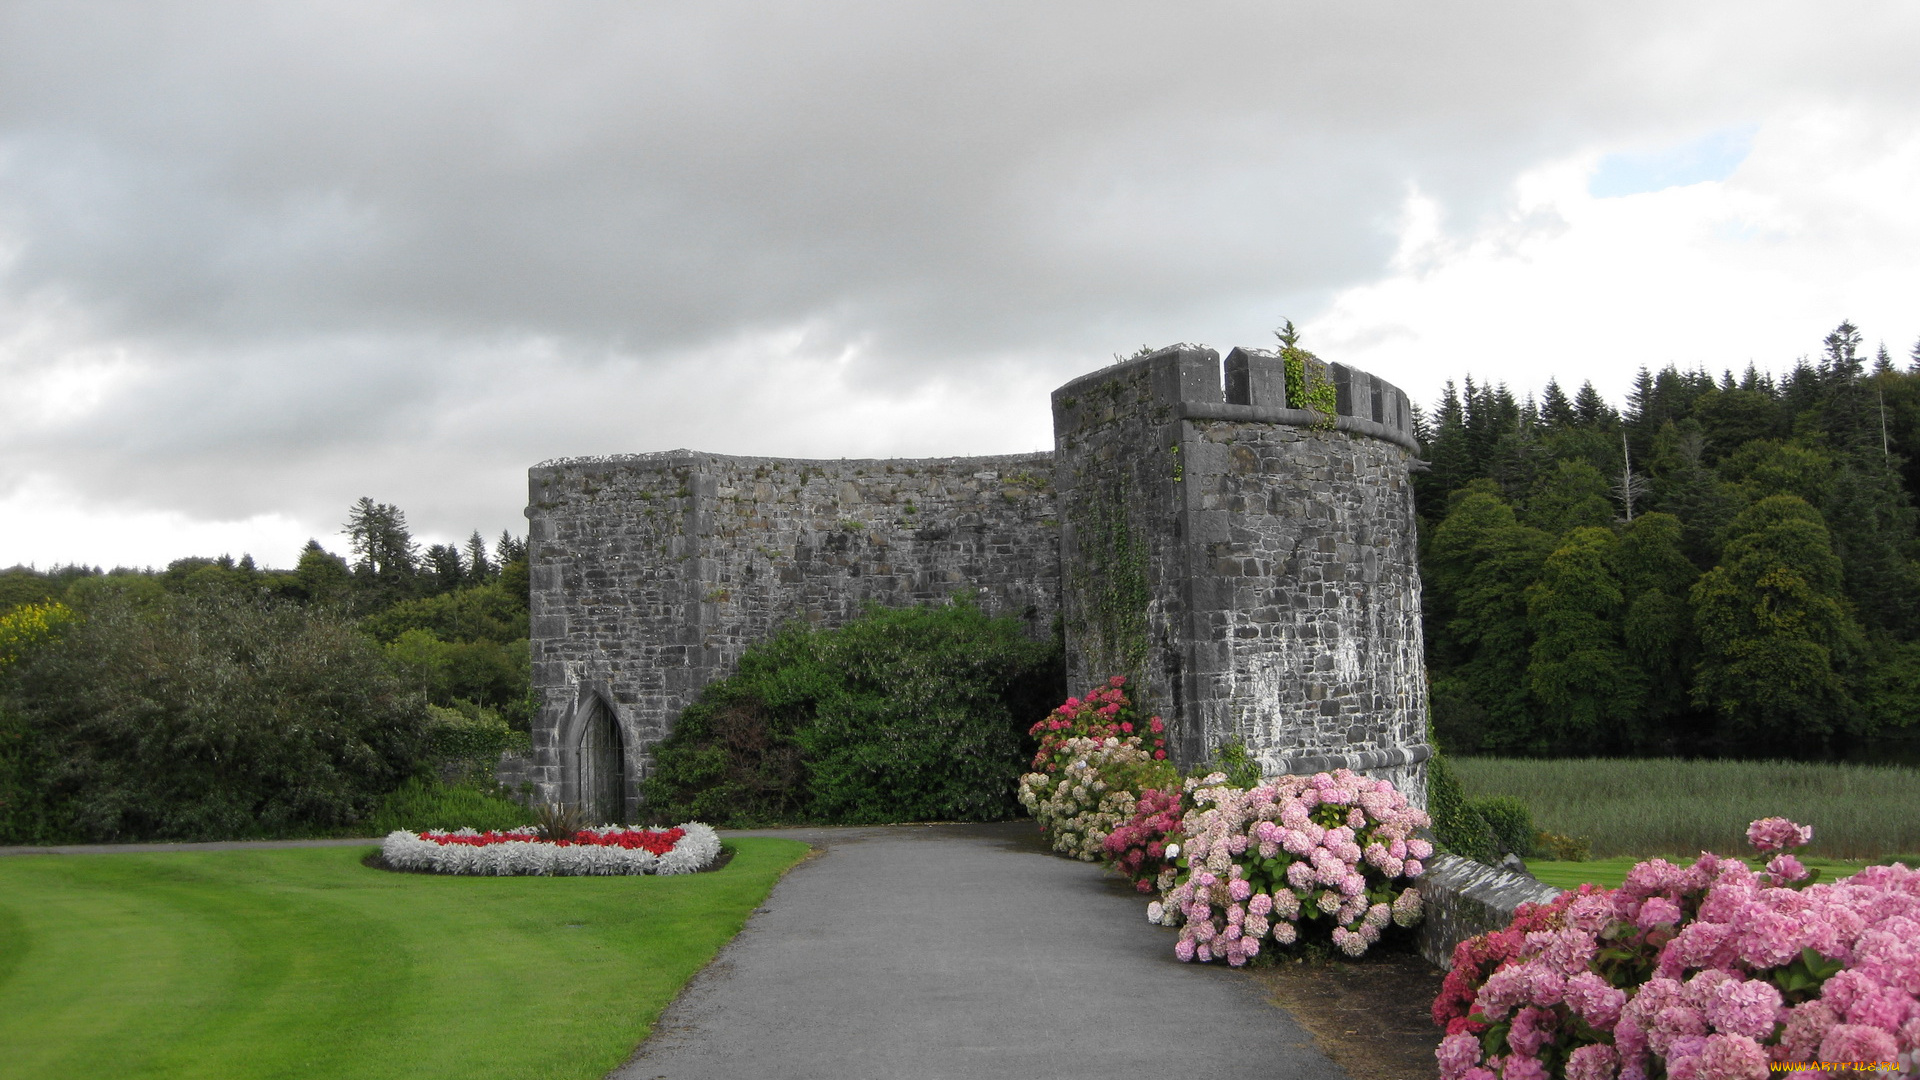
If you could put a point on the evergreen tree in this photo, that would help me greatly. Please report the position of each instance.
(1732, 418)
(509, 549)
(1556, 410)
(1655, 577)
(1592, 409)
(480, 569)
(1573, 495)
(1775, 634)
(1587, 691)
(385, 556)
(1483, 560)
(322, 577)
(444, 570)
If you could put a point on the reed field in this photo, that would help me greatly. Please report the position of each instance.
(1664, 806)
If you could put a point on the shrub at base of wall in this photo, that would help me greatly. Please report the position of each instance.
(912, 714)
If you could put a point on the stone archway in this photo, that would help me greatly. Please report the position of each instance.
(602, 757)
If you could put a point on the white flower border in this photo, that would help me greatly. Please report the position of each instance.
(405, 850)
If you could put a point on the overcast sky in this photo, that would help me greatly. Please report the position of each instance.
(258, 260)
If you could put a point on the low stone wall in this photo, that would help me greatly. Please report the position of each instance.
(513, 770)
(1463, 898)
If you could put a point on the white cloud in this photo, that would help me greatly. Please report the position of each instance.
(1811, 228)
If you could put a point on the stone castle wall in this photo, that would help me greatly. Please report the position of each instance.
(653, 573)
(1250, 565)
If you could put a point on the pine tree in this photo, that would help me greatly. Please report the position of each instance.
(385, 556)
(480, 569)
(1555, 409)
(443, 567)
(1591, 409)
(509, 549)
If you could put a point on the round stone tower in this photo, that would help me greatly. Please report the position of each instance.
(1248, 561)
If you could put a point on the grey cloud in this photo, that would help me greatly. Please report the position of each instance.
(306, 215)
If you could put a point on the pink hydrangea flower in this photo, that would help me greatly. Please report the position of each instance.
(1744, 1007)
(1777, 834)
(1523, 1068)
(1456, 1054)
(1784, 867)
(1722, 1057)
(1596, 1061)
(1658, 911)
(1858, 1042)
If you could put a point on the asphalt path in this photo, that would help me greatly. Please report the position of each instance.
(963, 951)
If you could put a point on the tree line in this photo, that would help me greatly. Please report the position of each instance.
(217, 698)
(1725, 567)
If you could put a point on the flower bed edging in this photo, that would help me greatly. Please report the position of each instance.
(611, 850)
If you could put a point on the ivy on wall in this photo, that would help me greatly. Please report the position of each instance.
(1307, 384)
(1110, 578)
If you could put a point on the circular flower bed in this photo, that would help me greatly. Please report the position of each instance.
(612, 849)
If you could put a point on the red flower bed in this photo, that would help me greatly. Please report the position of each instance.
(659, 843)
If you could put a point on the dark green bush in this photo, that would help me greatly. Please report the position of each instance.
(204, 717)
(1456, 824)
(917, 714)
(1510, 820)
(467, 740)
(1560, 847)
(429, 804)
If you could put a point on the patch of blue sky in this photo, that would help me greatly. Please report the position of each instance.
(1712, 156)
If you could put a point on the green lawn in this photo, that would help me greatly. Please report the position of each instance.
(1611, 872)
(304, 963)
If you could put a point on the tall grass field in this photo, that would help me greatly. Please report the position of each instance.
(306, 964)
(1672, 807)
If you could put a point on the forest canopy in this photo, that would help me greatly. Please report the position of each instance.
(1724, 567)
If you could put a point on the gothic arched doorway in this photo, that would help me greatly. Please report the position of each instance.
(603, 767)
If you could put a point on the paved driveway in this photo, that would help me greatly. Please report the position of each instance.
(962, 951)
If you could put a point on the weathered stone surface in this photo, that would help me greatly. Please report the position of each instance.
(1250, 565)
(653, 573)
(1253, 571)
(1464, 898)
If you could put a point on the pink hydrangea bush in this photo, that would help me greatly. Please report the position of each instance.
(1138, 847)
(1715, 971)
(1333, 854)
(1105, 713)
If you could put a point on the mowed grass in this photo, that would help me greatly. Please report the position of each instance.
(1672, 807)
(1611, 872)
(304, 963)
